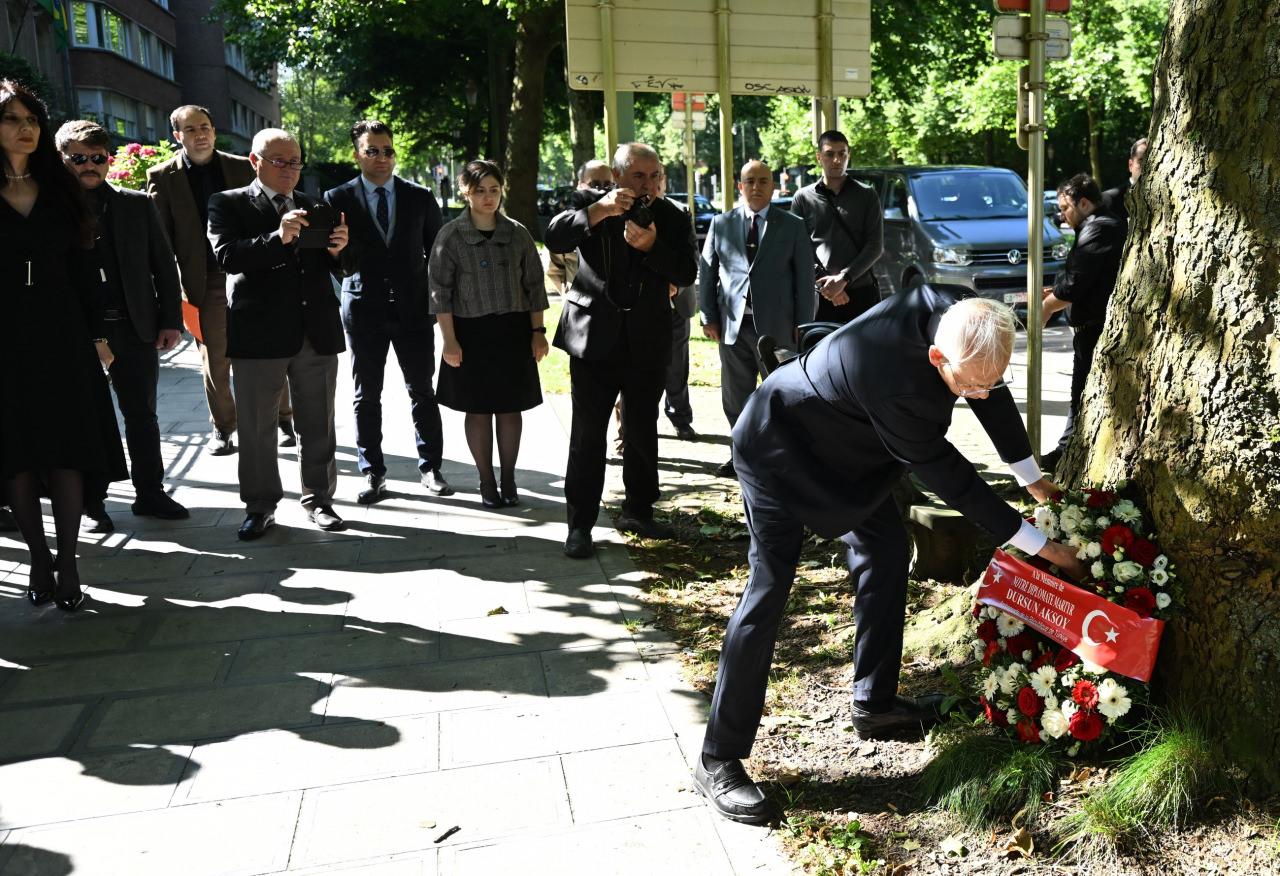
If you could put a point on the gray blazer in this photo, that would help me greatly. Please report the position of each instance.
(780, 278)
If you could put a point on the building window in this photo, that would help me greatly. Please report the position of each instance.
(123, 116)
(96, 26)
(234, 55)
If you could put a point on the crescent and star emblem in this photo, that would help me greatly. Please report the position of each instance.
(1111, 634)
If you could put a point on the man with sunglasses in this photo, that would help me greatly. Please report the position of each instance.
(821, 444)
(385, 303)
(141, 315)
(593, 176)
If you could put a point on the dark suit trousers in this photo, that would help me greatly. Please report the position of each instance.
(877, 556)
(1083, 343)
(595, 386)
(676, 406)
(415, 351)
(214, 364)
(740, 369)
(134, 374)
(860, 301)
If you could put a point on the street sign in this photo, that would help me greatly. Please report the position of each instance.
(679, 98)
(1009, 38)
(677, 121)
(672, 46)
(1025, 5)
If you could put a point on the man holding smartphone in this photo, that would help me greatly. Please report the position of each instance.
(279, 249)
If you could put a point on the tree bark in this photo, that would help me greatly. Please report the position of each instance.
(582, 126)
(1184, 396)
(535, 38)
(1095, 153)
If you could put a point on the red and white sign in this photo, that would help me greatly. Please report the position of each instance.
(1102, 632)
(699, 99)
(1025, 5)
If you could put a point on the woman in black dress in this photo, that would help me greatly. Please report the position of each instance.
(488, 298)
(56, 419)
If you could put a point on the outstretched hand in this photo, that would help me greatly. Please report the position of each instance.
(1064, 558)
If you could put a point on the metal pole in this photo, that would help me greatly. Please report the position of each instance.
(688, 155)
(826, 87)
(726, 103)
(610, 79)
(1035, 222)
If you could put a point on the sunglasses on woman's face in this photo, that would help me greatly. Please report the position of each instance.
(96, 158)
(374, 152)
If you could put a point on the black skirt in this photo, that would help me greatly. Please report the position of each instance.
(497, 374)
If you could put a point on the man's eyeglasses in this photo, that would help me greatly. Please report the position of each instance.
(374, 152)
(600, 185)
(280, 163)
(971, 390)
(97, 158)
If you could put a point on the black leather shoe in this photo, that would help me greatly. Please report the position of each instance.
(578, 545)
(255, 526)
(1050, 460)
(70, 603)
(908, 718)
(435, 483)
(41, 595)
(159, 505)
(686, 433)
(288, 437)
(97, 520)
(221, 443)
(645, 527)
(324, 517)
(731, 793)
(727, 471)
(510, 495)
(374, 491)
(7, 523)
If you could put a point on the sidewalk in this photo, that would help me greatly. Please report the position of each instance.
(337, 702)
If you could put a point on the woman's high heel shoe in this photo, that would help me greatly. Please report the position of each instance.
(37, 596)
(72, 604)
(489, 497)
(510, 496)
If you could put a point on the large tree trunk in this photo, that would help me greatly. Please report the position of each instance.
(582, 126)
(535, 38)
(1095, 153)
(1184, 395)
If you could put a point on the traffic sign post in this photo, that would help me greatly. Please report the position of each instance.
(1035, 87)
(1009, 38)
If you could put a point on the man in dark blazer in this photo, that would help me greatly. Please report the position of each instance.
(140, 305)
(821, 445)
(756, 278)
(282, 323)
(1114, 200)
(616, 328)
(385, 303)
(181, 188)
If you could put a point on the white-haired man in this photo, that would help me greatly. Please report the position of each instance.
(821, 444)
(282, 323)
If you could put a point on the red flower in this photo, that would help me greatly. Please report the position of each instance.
(993, 648)
(1028, 732)
(987, 631)
(977, 609)
(1029, 702)
(1144, 552)
(1065, 660)
(1057, 497)
(1015, 645)
(1100, 498)
(1140, 601)
(1085, 694)
(1114, 536)
(1086, 726)
(994, 715)
(133, 148)
(1045, 659)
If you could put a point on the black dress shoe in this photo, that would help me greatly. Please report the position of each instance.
(1050, 460)
(510, 495)
(645, 527)
(727, 471)
(221, 443)
(374, 491)
(159, 505)
(255, 526)
(288, 437)
(578, 545)
(97, 520)
(70, 603)
(907, 718)
(686, 433)
(489, 495)
(41, 595)
(7, 523)
(324, 517)
(732, 793)
(435, 483)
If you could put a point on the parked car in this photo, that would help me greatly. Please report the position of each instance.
(958, 226)
(545, 201)
(1051, 207)
(782, 203)
(560, 198)
(702, 219)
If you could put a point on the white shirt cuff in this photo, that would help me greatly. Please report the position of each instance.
(1028, 539)
(1026, 471)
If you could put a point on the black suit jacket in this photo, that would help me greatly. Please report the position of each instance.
(148, 273)
(830, 433)
(1089, 275)
(1113, 201)
(612, 275)
(381, 282)
(276, 294)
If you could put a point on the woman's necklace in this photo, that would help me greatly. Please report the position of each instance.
(19, 176)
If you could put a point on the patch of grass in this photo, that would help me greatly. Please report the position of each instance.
(831, 845)
(982, 778)
(1176, 771)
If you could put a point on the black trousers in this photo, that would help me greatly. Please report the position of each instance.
(877, 553)
(676, 405)
(415, 351)
(135, 373)
(861, 299)
(1083, 343)
(596, 386)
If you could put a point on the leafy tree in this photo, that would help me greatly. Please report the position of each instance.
(314, 111)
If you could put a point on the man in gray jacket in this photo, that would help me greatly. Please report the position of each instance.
(756, 278)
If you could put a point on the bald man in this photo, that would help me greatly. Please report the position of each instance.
(755, 278)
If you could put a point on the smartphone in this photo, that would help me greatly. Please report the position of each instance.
(321, 220)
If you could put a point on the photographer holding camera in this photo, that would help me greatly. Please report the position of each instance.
(616, 327)
(279, 249)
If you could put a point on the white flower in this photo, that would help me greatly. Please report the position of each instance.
(979, 648)
(1092, 668)
(993, 612)
(1042, 680)
(1046, 521)
(1159, 577)
(1163, 600)
(1113, 699)
(1071, 518)
(1160, 562)
(1054, 724)
(1098, 570)
(1073, 750)
(1103, 522)
(1008, 625)
(1117, 554)
(1068, 708)
(1126, 511)
(1093, 549)
(1051, 702)
(1009, 681)
(1012, 716)
(1119, 589)
(1127, 571)
(990, 684)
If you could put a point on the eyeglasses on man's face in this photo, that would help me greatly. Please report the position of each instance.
(600, 185)
(977, 390)
(97, 158)
(281, 164)
(374, 152)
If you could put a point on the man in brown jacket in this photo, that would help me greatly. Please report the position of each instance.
(181, 188)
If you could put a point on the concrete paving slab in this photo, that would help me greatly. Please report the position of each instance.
(228, 838)
(35, 731)
(235, 623)
(352, 822)
(271, 552)
(89, 676)
(414, 864)
(629, 780)
(45, 634)
(577, 672)
(343, 651)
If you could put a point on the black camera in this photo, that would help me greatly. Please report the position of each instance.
(638, 213)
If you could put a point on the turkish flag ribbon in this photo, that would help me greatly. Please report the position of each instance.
(1102, 632)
